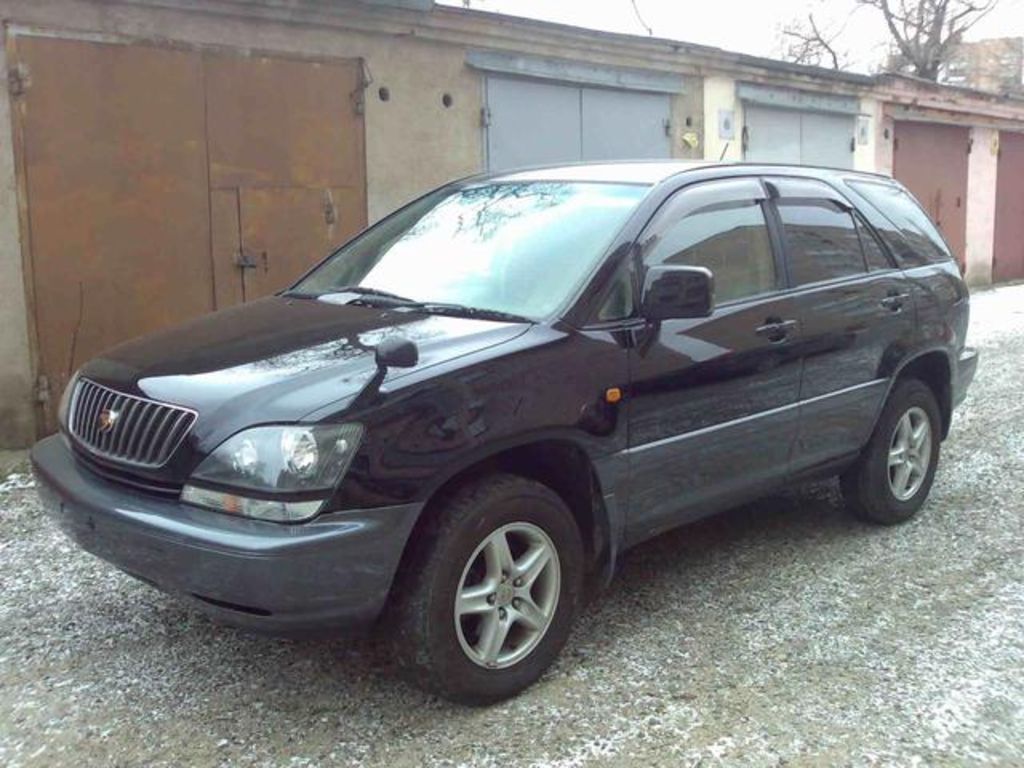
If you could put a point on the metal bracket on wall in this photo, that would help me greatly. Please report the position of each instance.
(42, 389)
(18, 80)
(244, 260)
(358, 96)
(330, 212)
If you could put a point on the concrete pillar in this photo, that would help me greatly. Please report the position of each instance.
(981, 204)
(885, 144)
(17, 407)
(719, 98)
(869, 134)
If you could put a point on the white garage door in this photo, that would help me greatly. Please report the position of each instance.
(794, 136)
(532, 122)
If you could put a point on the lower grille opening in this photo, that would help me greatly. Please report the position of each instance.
(233, 606)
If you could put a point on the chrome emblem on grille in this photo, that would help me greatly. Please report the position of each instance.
(107, 419)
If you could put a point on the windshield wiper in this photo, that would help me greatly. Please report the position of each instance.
(461, 310)
(368, 296)
(363, 290)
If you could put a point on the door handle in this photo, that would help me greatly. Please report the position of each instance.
(894, 301)
(776, 329)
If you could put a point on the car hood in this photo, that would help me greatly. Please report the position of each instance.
(281, 358)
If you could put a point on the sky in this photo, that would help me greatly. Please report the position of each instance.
(746, 26)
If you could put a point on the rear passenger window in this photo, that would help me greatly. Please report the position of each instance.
(822, 241)
(874, 254)
(721, 226)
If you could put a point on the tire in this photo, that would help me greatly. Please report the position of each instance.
(449, 656)
(872, 488)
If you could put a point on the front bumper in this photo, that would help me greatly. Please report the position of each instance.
(332, 572)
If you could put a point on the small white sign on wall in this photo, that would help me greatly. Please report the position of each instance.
(863, 129)
(727, 124)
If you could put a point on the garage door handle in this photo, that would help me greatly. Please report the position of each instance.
(776, 330)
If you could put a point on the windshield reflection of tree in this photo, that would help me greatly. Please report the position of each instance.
(481, 212)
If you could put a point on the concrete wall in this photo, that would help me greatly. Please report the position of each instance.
(17, 423)
(981, 204)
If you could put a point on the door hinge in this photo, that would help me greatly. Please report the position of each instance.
(668, 127)
(18, 80)
(42, 389)
(485, 117)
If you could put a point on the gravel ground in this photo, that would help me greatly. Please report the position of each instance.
(780, 633)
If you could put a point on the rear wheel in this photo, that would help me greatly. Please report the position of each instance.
(488, 603)
(893, 476)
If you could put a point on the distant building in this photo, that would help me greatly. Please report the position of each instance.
(995, 65)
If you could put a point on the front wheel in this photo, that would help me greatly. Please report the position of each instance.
(891, 480)
(488, 603)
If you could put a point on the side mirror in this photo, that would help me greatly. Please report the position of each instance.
(396, 353)
(677, 292)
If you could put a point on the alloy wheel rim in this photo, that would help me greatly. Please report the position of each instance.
(507, 596)
(910, 453)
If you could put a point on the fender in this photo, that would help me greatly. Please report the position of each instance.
(945, 404)
(607, 485)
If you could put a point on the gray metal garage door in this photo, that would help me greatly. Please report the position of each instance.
(794, 136)
(532, 122)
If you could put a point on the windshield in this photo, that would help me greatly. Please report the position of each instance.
(521, 248)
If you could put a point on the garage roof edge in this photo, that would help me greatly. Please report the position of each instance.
(791, 98)
(574, 71)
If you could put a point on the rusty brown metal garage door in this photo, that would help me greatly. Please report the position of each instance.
(1009, 240)
(931, 160)
(287, 168)
(160, 184)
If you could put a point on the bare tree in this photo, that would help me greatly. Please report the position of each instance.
(804, 42)
(923, 34)
(926, 32)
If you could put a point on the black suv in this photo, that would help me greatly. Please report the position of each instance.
(458, 421)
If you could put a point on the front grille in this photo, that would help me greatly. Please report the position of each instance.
(124, 428)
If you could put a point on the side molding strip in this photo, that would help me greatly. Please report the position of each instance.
(753, 417)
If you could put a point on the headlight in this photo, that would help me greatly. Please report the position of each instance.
(282, 473)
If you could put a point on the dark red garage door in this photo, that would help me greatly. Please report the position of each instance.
(931, 160)
(1009, 244)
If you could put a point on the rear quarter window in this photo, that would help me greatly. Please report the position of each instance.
(902, 223)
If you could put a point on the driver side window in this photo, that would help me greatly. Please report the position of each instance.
(721, 226)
